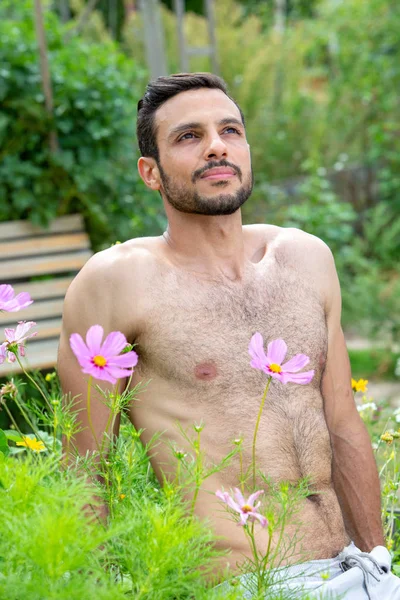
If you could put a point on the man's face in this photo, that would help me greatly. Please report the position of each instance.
(205, 165)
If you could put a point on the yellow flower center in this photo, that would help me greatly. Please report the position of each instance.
(246, 508)
(275, 368)
(99, 360)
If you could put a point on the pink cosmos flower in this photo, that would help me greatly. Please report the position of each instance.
(15, 339)
(271, 363)
(246, 508)
(9, 303)
(103, 360)
(3, 352)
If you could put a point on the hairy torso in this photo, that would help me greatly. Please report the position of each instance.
(192, 335)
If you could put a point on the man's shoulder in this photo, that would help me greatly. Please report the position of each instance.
(115, 266)
(132, 254)
(291, 239)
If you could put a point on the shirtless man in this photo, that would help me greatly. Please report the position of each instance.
(191, 300)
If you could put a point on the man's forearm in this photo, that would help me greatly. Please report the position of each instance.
(356, 482)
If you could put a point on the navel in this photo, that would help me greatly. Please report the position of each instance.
(205, 371)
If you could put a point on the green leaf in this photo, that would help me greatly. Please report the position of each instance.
(12, 435)
(4, 443)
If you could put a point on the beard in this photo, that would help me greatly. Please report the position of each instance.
(190, 201)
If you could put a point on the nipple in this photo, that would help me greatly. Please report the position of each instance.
(205, 371)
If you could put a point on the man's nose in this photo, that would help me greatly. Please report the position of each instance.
(216, 148)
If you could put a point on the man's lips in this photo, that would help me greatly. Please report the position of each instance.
(219, 173)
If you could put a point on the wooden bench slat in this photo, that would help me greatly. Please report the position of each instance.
(26, 252)
(49, 328)
(18, 229)
(34, 312)
(45, 265)
(53, 288)
(43, 245)
(42, 355)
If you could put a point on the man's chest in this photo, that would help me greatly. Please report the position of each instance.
(196, 334)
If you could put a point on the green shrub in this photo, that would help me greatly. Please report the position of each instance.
(96, 89)
(51, 548)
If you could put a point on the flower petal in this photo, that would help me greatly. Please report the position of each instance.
(261, 518)
(3, 353)
(78, 346)
(6, 293)
(276, 352)
(129, 360)
(99, 373)
(256, 351)
(279, 376)
(221, 495)
(117, 372)
(21, 301)
(22, 329)
(9, 334)
(253, 497)
(225, 497)
(296, 363)
(243, 518)
(300, 378)
(114, 343)
(94, 336)
(239, 497)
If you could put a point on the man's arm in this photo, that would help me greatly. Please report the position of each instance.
(355, 473)
(89, 301)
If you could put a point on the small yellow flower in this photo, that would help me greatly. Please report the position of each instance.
(387, 437)
(325, 576)
(31, 443)
(360, 385)
(50, 376)
(122, 496)
(389, 544)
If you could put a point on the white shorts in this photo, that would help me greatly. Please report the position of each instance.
(352, 575)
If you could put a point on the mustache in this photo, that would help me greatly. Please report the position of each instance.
(214, 164)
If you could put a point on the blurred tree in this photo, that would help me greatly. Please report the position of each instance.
(96, 90)
(266, 10)
(196, 6)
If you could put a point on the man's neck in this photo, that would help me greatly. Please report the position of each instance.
(208, 245)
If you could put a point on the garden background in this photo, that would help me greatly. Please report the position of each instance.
(320, 96)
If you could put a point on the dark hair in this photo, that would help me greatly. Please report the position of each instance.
(161, 90)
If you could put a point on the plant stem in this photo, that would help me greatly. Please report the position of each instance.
(111, 417)
(250, 533)
(199, 469)
(89, 414)
(241, 470)
(12, 419)
(37, 386)
(31, 425)
(256, 430)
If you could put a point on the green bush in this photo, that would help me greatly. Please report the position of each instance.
(96, 89)
(51, 548)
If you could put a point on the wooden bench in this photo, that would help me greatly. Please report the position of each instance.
(42, 262)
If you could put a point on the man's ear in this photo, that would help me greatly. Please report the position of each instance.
(149, 172)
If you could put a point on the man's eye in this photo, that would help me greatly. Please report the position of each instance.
(233, 129)
(183, 137)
